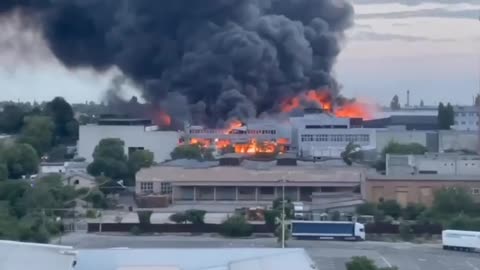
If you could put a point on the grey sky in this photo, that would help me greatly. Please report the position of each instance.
(430, 48)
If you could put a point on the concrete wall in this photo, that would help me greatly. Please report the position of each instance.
(458, 140)
(161, 143)
(418, 191)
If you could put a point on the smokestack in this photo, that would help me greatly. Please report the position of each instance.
(408, 98)
(200, 61)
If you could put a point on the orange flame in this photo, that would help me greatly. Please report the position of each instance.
(234, 124)
(324, 100)
(163, 119)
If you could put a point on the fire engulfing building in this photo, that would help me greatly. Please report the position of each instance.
(314, 134)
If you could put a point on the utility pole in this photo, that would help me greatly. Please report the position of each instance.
(283, 213)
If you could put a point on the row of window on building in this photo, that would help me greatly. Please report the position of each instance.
(463, 123)
(364, 138)
(147, 187)
(464, 114)
(218, 131)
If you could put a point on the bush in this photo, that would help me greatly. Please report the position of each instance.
(144, 217)
(92, 213)
(270, 216)
(463, 222)
(413, 211)
(178, 218)
(406, 232)
(135, 230)
(368, 209)
(364, 263)
(236, 226)
(361, 263)
(195, 216)
(391, 208)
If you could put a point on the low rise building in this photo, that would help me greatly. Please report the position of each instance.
(135, 133)
(466, 118)
(251, 183)
(416, 188)
(433, 163)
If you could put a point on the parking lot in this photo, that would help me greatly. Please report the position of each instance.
(328, 255)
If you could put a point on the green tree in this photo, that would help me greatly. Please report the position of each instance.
(351, 154)
(446, 116)
(422, 104)
(413, 211)
(453, 200)
(192, 151)
(391, 208)
(97, 199)
(11, 119)
(38, 132)
(395, 103)
(57, 153)
(289, 208)
(236, 226)
(195, 216)
(404, 149)
(477, 100)
(66, 127)
(137, 160)
(20, 159)
(109, 159)
(368, 209)
(464, 222)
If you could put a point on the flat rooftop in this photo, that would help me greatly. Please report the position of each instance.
(239, 174)
(423, 177)
(194, 259)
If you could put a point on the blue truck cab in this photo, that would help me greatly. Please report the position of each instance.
(344, 230)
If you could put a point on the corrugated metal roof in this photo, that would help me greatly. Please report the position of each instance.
(194, 259)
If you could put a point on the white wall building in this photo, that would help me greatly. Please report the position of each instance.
(466, 118)
(458, 140)
(161, 143)
(440, 164)
(324, 135)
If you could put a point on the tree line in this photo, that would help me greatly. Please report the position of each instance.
(40, 132)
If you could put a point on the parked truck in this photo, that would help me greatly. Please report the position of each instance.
(461, 240)
(344, 230)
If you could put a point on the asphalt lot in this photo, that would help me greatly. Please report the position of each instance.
(328, 255)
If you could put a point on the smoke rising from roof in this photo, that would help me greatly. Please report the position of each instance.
(203, 61)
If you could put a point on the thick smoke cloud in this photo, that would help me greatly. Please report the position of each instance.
(219, 59)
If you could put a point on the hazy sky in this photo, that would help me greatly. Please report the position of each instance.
(431, 48)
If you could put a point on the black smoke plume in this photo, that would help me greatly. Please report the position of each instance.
(219, 59)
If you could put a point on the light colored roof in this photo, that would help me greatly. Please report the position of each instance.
(423, 177)
(205, 259)
(17, 256)
(237, 174)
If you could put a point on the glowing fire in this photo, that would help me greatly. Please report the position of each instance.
(251, 147)
(163, 119)
(323, 99)
(234, 124)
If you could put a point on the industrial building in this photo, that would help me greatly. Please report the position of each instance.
(466, 118)
(433, 163)
(418, 188)
(252, 183)
(136, 133)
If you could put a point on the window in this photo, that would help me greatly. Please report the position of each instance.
(476, 191)
(166, 188)
(146, 187)
(307, 138)
(321, 137)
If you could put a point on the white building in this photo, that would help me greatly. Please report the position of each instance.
(439, 164)
(466, 118)
(324, 135)
(161, 143)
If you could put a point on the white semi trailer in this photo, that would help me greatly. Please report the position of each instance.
(461, 240)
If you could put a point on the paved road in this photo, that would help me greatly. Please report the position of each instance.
(328, 255)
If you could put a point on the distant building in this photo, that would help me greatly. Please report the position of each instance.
(324, 135)
(416, 188)
(257, 182)
(136, 133)
(439, 164)
(80, 180)
(426, 138)
(458, 140)
(410, 122)
(63, 167)
(466, 118)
